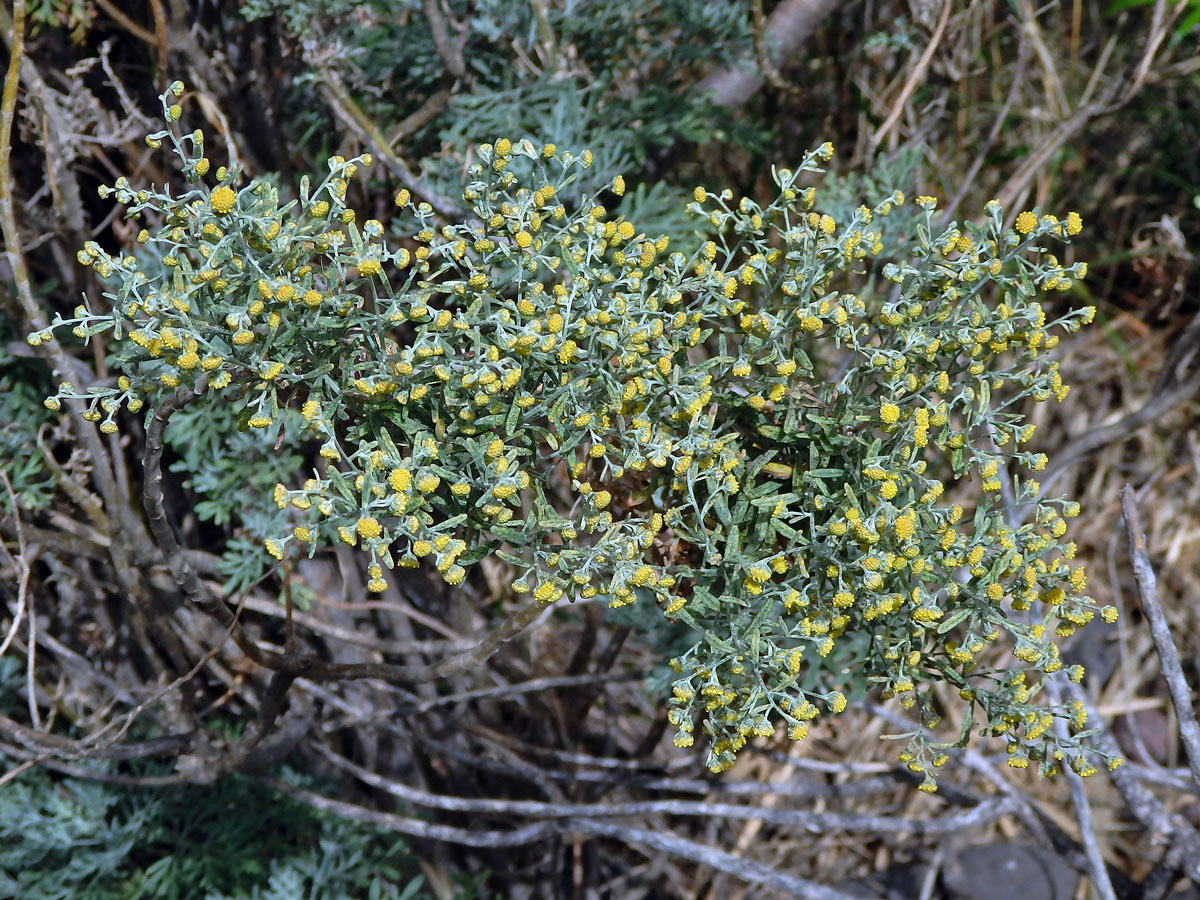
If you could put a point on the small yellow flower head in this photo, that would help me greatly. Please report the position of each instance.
(889, 413)
(618, 186)
(1074, 223)
(368, 528)
(222, 200)
(312, 298)
(400, 479)
(1026, 222)
(369, 267)
(275, 548)
(546, 592)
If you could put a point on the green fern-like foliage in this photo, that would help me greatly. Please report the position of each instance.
(72, 839)
(22, 414)
(65, 838)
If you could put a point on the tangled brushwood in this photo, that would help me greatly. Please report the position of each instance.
(724, 429)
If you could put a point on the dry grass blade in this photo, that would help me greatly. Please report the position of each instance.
(915, 77)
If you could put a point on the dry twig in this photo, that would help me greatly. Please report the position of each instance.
(817, 823)
(787, 28)
(1160, 631)
(1146, 808)
(359, 123)
(20, 565)
(914, 78)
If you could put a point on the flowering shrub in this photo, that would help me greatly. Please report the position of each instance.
(729, 432)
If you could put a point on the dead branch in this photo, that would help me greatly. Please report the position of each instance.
(1097, 869)
(449, 52)
(114, 13)
(787, 28)
(64, 748)
(817, 823)
(19, 564)
(1145, 807)
(348, 112)
(1160, 631)
(418, 828)
(762, 53)
(743, 869)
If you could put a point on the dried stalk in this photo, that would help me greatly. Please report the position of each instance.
(1160, 631)
(787, 28)
(817, 823)
(914, 77)
(359, 123)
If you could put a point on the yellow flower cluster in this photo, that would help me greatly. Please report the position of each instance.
(544, 377)
(222, 200)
